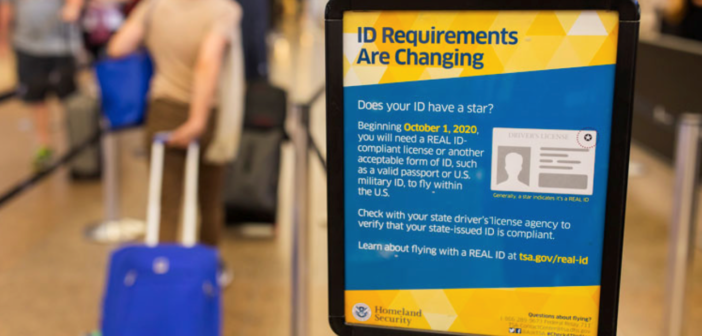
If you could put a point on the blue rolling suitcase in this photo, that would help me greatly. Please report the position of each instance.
(165, 290)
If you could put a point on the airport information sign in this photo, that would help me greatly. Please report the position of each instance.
(475, 183)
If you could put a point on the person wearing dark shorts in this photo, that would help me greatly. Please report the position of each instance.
(40, 76)
(44, 40)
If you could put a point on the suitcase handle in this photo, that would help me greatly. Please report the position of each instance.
(153, 216)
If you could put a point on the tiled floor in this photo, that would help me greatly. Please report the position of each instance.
(51, 279)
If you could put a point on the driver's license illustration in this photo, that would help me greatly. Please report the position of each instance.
(543, 161)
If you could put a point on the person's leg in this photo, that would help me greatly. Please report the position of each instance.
(211, 203)
(33, 73)
(45, 153)
(210, 190)
(162, 117)
(172, 195)
(210, 199)
(42, 124)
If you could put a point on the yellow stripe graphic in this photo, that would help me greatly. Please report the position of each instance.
(547, 40)
(534, 311)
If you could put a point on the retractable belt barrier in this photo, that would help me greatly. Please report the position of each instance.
(7, 95)
(306, 109)
(27, 184)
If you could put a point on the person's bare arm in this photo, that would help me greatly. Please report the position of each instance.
(7, 14)
(129, 37)
(205, 83)
(71, 10)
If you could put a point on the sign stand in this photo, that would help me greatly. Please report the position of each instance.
(501, 131)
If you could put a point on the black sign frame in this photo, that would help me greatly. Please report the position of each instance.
(629, 15)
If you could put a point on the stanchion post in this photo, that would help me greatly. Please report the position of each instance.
(682, 230)
(301, 249)
(110, 190)
(113, 228)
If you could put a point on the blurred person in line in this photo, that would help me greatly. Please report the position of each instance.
(44, 38)
(255, 26)
(100, 20)
(686, 18)
(188, 40)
